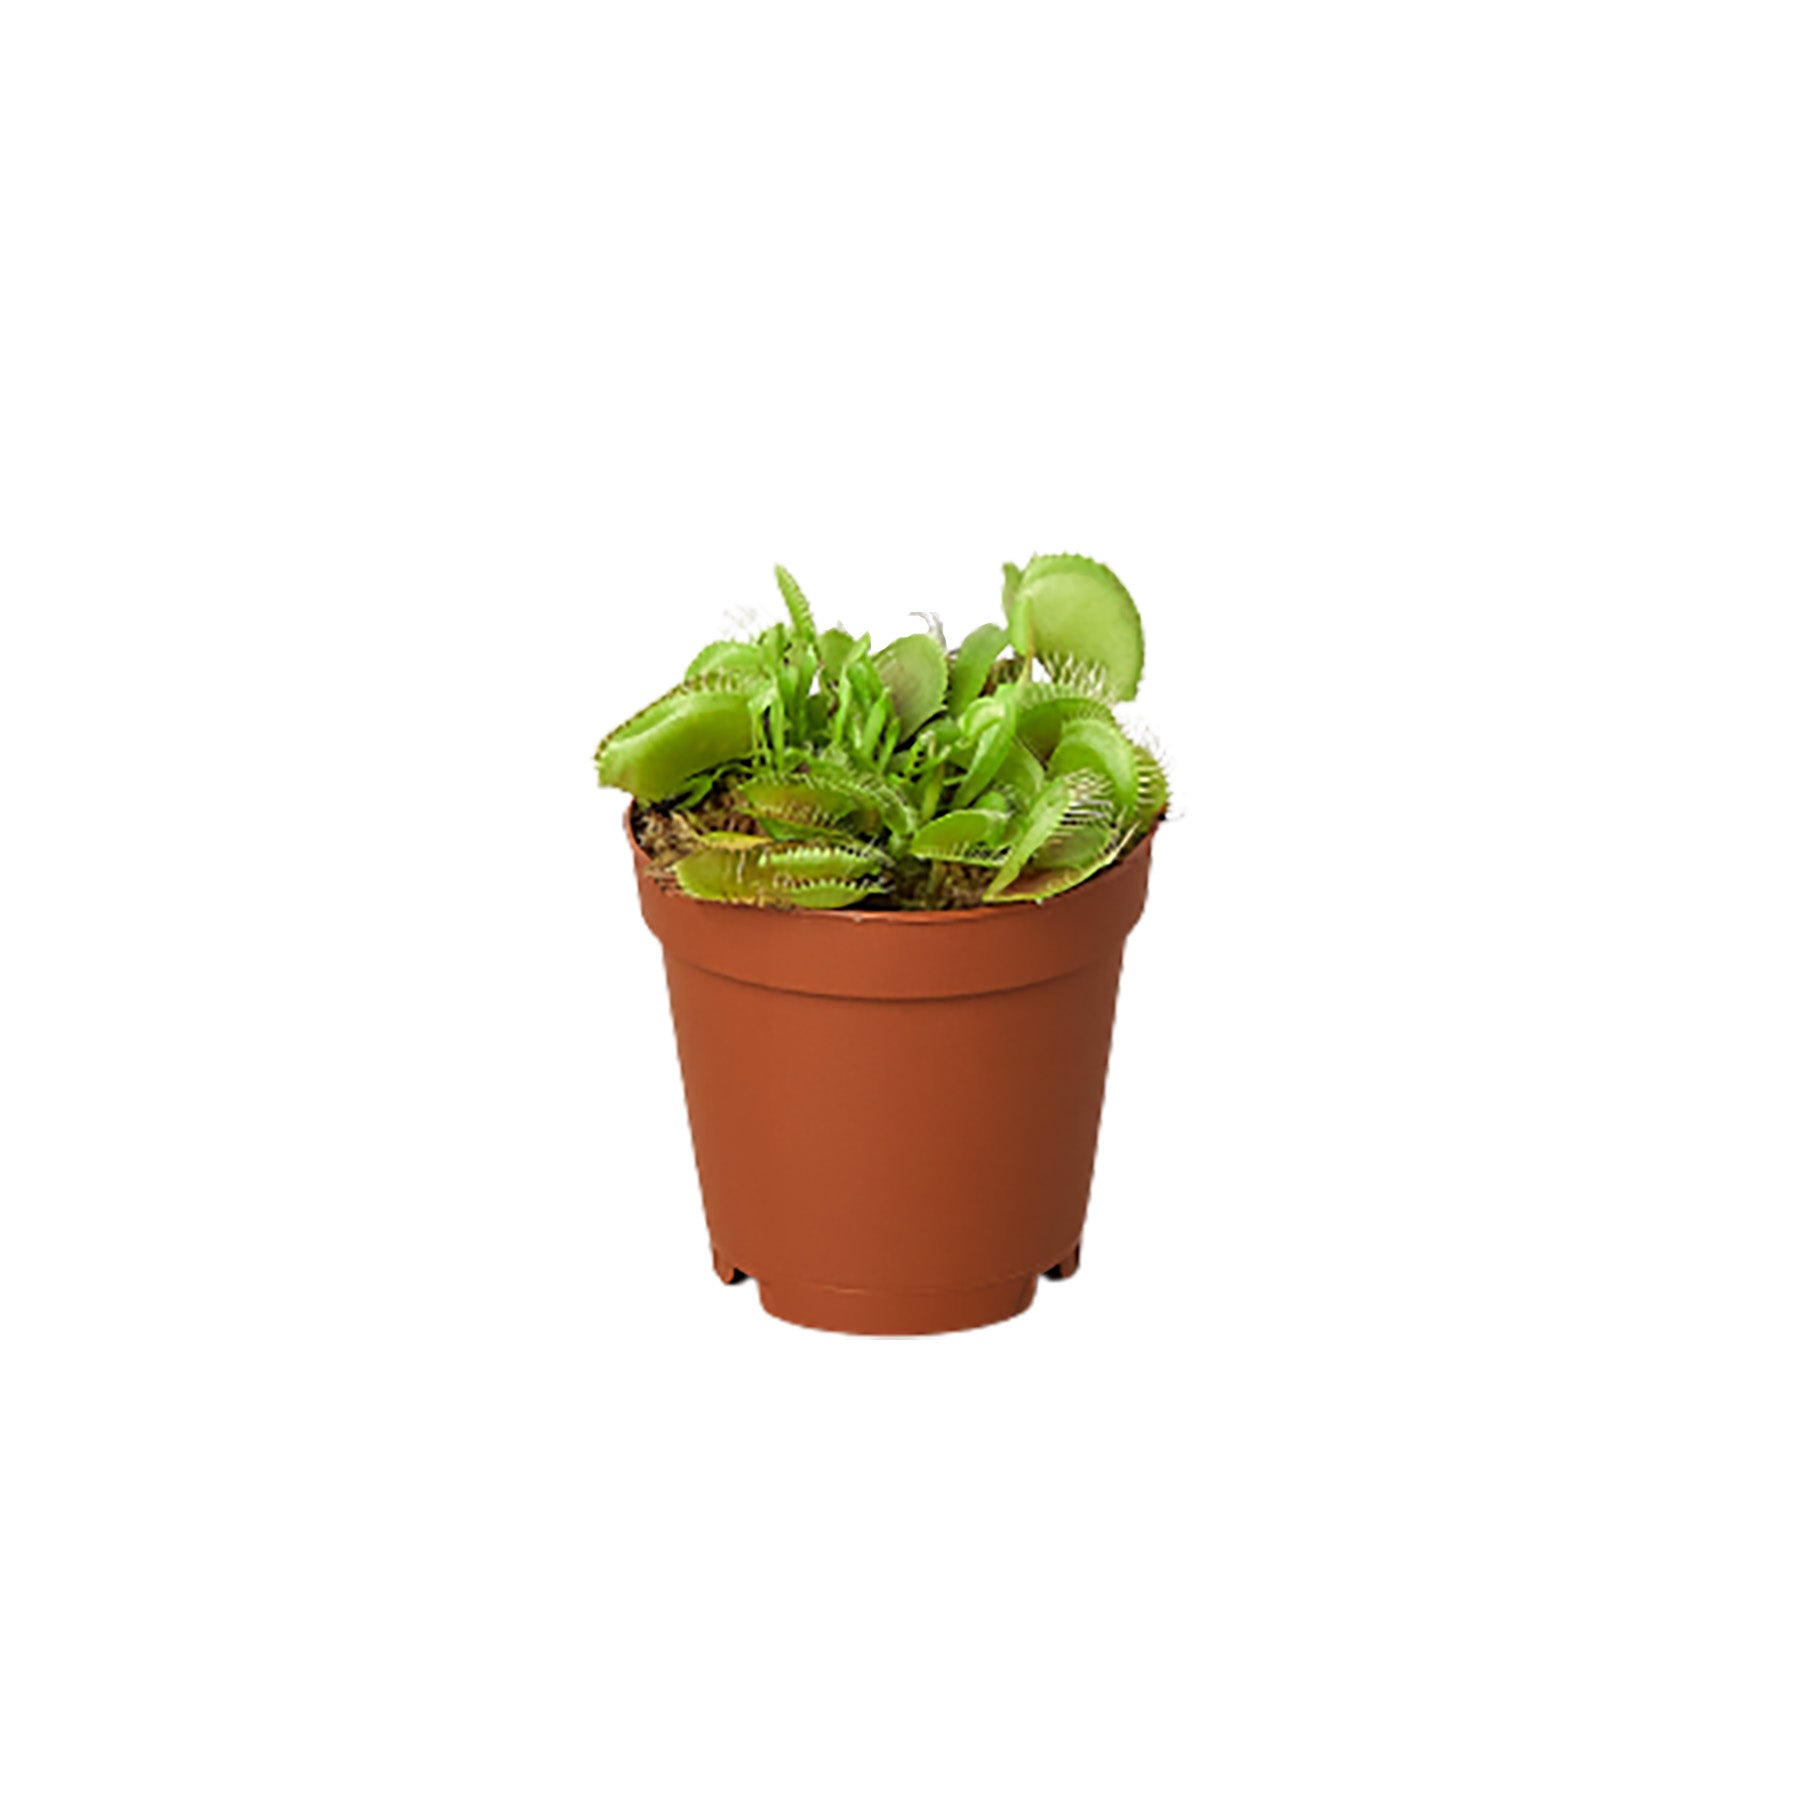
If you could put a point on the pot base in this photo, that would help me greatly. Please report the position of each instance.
(890, 1312)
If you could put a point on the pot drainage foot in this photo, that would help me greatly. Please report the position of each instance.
(1063, 1270)
(895, 1312)
(726, 1270)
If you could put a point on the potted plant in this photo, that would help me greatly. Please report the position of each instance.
(892, 889)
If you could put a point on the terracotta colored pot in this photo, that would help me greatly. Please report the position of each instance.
(894, 1113)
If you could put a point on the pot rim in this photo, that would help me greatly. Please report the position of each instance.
(863, 915)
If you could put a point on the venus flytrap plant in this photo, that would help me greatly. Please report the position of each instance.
(799, 767)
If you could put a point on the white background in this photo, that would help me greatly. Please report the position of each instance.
(395, 396)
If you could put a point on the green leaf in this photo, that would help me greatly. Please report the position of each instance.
(868, 733)
(827, 896)
(973, 835)
(1042, 818)
(1044, 883)
(1021, 776)
(915, 674)
(836, 647)
(1073, 613)
(1047, 707)
(992, 748)
(1152, 789)
(873, 797)
(822, 862)
(1011, 579)
(728, 655)
(654, 753)
(1077, 847)
(798, 610)
(753, 871)
(1071, 826)
(974, 660)
(813, 805)
(719, 873)
(1099, 746)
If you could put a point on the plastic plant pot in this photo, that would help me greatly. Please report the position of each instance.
(895, 1114)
